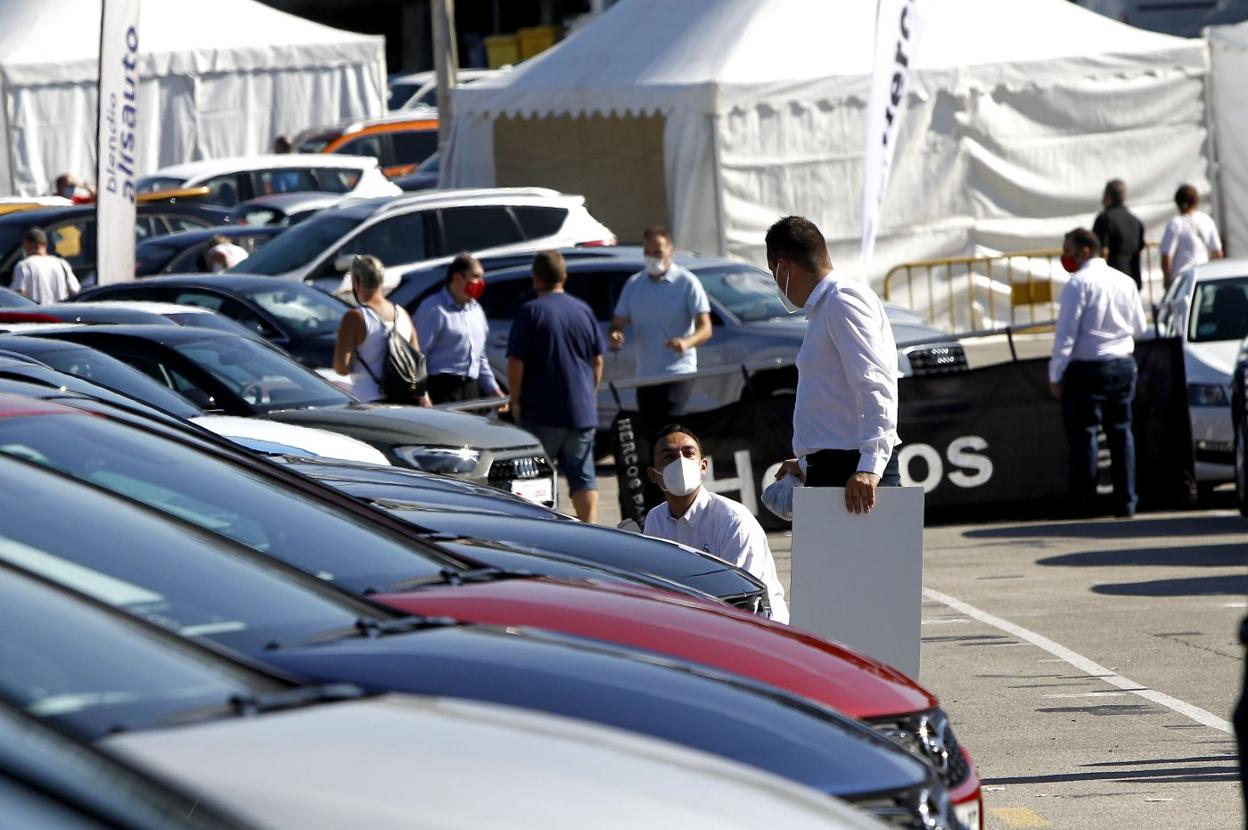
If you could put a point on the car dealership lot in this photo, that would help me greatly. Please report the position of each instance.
(1154, 600)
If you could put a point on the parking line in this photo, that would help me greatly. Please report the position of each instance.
(1019, 817)
(1083, 663)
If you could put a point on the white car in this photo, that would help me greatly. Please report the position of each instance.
(234, 180)
(1207, 307)
(399, 762)
(419, 230)
(274, 438)
(420, 89)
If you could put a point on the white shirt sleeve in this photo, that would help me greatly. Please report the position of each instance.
(1170, 237)
(698, 302)
(1215, 241)
(745, 544)
(21, 278)
(653, 526)
(870, 370)
(1068, 315)
(72, 285)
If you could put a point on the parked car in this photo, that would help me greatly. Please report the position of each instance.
(1239, 425)
(11, 299)
(185, 252)
(228, 500)
(1207, 308)
(426, 230)
(284, 209)
(424, 177)
(298, 318)
(71, 231)
(281, 753)
(419, 90)
(206, 588)
(124, 313)
(235, 180)
(398, 141)
(226, 375)
(750, 323)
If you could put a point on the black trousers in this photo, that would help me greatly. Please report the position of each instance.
(1240, 719)
(451, 388)
(661, 403)
(832, 468)
(1096, 394)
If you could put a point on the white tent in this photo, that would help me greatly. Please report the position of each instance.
(1228, 47)
(719, 116)
(217, 79)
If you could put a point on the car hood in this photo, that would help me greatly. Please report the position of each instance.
(400, 496)
(620, 688)
(390, 425)
(1212, 362)
(271, 437)
(398, 762)
(712, 635)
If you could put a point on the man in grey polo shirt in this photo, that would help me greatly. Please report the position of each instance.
(671, 316)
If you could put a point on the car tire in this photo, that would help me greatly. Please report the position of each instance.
(1241, 469)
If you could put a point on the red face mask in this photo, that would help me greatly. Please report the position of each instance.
(474, 289)
(1069, 263)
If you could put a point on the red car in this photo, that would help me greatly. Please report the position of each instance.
(725, 639)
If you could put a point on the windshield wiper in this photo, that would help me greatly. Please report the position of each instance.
(461, 576)
(254, 704)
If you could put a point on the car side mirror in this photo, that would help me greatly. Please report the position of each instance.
(342, 263)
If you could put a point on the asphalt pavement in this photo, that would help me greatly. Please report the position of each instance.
(1090, 667)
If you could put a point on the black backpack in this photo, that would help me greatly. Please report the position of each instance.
(404, 372)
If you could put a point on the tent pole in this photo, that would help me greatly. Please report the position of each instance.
(8, 136)
(446, 64)
(717, 164)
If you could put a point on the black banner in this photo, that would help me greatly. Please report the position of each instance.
(987, 443)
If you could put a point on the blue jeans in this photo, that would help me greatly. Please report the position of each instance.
(1096, 394)
(572, 449)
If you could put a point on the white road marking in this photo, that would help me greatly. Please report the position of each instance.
(944, 622)
(1089, 694)
(1083, 663)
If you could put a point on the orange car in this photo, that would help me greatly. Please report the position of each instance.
(398, 142)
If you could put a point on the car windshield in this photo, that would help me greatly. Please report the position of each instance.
(181, 579)
(399, 94)
(209, 320)
(150, 184)
(298, 246)
(303, 310)
(315, 537)
(265, 379)
(109, 372)
(748, 293)
(1220, 311)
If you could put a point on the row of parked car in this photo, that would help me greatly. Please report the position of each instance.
(265, 624)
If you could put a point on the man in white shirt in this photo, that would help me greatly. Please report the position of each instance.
(224, 254)
(694, 516)
(845, 417)
(1092, 371)
(1190, 239)
(42, 278)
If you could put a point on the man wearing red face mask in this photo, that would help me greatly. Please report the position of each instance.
(452, 329)
(1092, 371)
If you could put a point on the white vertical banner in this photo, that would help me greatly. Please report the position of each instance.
(117, 133)
(896, 33)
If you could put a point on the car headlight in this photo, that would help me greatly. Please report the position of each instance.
(929, 736)
(1207, 394)
(446, 460)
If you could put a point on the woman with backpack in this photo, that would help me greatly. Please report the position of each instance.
(377, 344)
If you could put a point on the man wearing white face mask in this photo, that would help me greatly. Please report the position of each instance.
(671, 316)
(694, 516)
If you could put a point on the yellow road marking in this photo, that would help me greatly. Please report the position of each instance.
(1019, 817)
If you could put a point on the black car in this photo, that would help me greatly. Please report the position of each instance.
(296, 317)
(424, 177)
(1239, 423)
(284, 209)
(185, 252)
(71, 231)
(174, 575)
(118, 313)
(231, 376)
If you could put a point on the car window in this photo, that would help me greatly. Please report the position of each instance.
(285, 180)
(107, 371)
(748, 293)
(537, 222)
(169, 377)
(153, 183)
(225, 189)
(302, 310)
(1220, 311)
(364, 145)
(477, 227)
(315, 537)
(395, 240)
(594, 287)
(301, 244)
(260, 376)
(200, 299)
(153, 256)
(180, 222)
(337, 179)
(504, 296)
(146, 227)
(414, 146)
(260, 216)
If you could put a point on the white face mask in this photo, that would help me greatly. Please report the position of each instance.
(789, 305)
(682, 476)
(655, 266)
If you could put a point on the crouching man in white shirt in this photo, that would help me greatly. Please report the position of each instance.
(694, 516)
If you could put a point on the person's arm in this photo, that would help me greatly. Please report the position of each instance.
(72, 286)
(414, 340)
(515, 380)
(1167, 262)
(701, 334)
(426, 324)
(350, 332)
(1215, 249)
(1169, 242)
(485, 374)
(620, 320)
(1070, 311)
(597, 364)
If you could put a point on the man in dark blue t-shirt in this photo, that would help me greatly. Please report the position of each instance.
(554, 366)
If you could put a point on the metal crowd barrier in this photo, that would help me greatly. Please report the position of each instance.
(968, 287)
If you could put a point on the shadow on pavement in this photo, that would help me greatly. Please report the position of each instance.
(1204, 556)
(1166, 775)
(1188, 525)
(1198, 586)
